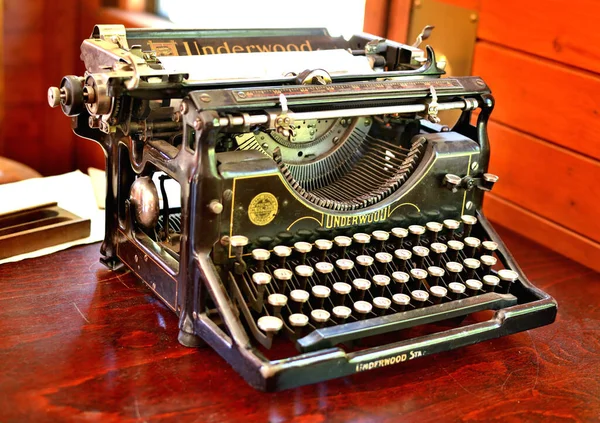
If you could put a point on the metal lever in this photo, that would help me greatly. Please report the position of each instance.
(485, 183)
(425, 34)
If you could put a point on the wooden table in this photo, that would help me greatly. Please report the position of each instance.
(78, 342)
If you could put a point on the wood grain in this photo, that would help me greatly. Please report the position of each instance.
(550, 181)
(376, 17)
(399, 21)
(553, 102)
(78, 342)
(555, 29)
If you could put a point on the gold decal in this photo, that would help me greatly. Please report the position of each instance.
(334, 221)
(263, 209)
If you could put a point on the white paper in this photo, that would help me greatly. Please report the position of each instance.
(72, 191)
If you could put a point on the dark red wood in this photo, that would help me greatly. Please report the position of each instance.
(79, 342)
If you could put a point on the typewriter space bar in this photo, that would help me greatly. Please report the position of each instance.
(335, 335)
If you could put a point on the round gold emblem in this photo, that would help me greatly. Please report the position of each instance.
(263, 209)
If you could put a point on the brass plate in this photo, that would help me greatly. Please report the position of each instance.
(454, 35)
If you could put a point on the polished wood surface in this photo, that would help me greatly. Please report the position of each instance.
(81, 343)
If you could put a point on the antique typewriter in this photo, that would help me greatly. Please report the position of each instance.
(294, 198)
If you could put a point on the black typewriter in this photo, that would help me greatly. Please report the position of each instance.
(294, 198)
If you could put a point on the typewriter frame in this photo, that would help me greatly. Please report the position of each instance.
(198, 277)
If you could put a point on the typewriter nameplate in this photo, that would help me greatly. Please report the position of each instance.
(349, 88)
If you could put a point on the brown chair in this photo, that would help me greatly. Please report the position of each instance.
(11, 171)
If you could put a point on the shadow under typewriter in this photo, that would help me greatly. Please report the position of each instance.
(381, 298)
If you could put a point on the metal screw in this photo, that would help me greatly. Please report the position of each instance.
(183, 108)
(241, 94)
(474, 166)
(480, 82)
(227, 194)
(469, 205)
(136, 258)
(205, 98)
(145, 257)
(153, 285)
(198, 124)
(215, 207)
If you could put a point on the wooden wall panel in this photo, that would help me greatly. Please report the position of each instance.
(548, 100)
(376, 17)
(556, 29)
(39, 49)
(543, 231)
(550, 181)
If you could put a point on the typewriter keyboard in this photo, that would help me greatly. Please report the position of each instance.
(301, 285)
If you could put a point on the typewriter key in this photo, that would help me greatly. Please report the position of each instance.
(433, 229)
(303, 273)
(270, 325)
(398, 235)
(323, 246)
(416, 231)
(419, 253)
(381, 281)
(438, 250)
(400, 281)
(342, 243)
(453, 269)
(401, 301)
(456, 290)
(471, 266)
(437, 294)
(509, 277)
(454, 247)
(361, 240)
(260, 256)
(362, 308)
(260, 279)
(282, 252)
(402, 257)
(302, 249)
(277, 301)
(298, 321)
(419, 297)
(320, 317)
(487, 262)
(381, 304)
(282, 276)
(380, 238)
(419, 276)
(323, 269)
(285, 237)
(303, 234)
(341, 314)
(344, 266)
(473, 286)
(468, 223)
(435, 273)
(361, 286)
(342, 289)
(364, 263)
(383, 260)
(489, 247)
(490, 283)
(320, 292)
(299, 297)
(451, 226)
(238, 242)
(471, 246)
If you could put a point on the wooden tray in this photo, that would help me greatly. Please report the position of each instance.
(39, 227)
